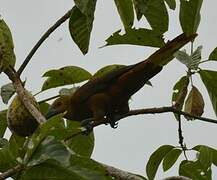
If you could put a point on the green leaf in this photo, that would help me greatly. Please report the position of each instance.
(64, 76)
(125, 10)
(53, 127)
(194, 170)
(7, 91)
(213, 155)
(205, 157)
(17, 145)
(179, 93)
(142, 37)
(171, 4)
(194, 103)
(78, 169)
(170, 158)
(3, 142)
(7, 56)
(209, 79)
(81, 22)
(213, 55)
(67, 91)
(50, 148)
(3, 122)
(80, 144)
(189, 15)
(155, 12)
(155, 160)
(7, 158)
(44, 107)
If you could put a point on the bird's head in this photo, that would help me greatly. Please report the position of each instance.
(60, 105)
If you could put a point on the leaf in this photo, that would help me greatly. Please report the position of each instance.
(81, 22)
(80, 144)
(3, 142)
(205, 157)
(209, 79)
(170, 158)
(78, 169)
(155, 12)
(194, 170)
(67, 92)
(7, 91)
(214, 152)
(213, 55)
(195, 58)
(3, 122)
(179, 93)
(142, 37)
(7, 56)
(194, 103)
(183, 57)
(171, 4)
(17, 145)
(189, 15)
(50, 148)
(155, 160)
(44, 108)
(64, 76)
(7, 158)
(53, 127)
(125, 10)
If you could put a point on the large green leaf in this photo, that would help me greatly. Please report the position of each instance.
(53, 127)
(50, 148)
(142, 37)
(155, 160)
(7, 56)
(78, 168)
(179, 93)
(3, 122)
(155, 12)
(81, 22)
(194, 170)
(17, 145)
(189, 15)
(7, 158)
(209, 79)
(80, 144)
(64, 76)
(212, 153)
(125, 10)
(170, 159)
(213, 55)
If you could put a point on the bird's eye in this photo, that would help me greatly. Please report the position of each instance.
(58, 103)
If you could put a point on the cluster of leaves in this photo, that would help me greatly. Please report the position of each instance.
(61, 146)
(199, 168)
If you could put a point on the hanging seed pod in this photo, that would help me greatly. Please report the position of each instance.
(20, 121)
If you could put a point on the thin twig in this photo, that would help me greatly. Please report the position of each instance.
(42, 39)
(181, 137)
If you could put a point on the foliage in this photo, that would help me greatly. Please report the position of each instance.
(60, 145)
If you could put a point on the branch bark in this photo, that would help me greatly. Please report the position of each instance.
(22, 93)
(11, 172)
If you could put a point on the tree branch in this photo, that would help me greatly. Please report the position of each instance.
(42, 39)
(23, 95)
(11, 172)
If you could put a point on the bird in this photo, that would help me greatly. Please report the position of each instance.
(104, 97)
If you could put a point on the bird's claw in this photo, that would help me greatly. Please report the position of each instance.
(114, 124)
(88, 125)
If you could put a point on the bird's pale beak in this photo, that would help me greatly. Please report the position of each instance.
(51, 112)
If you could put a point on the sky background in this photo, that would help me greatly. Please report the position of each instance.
(130, 145)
